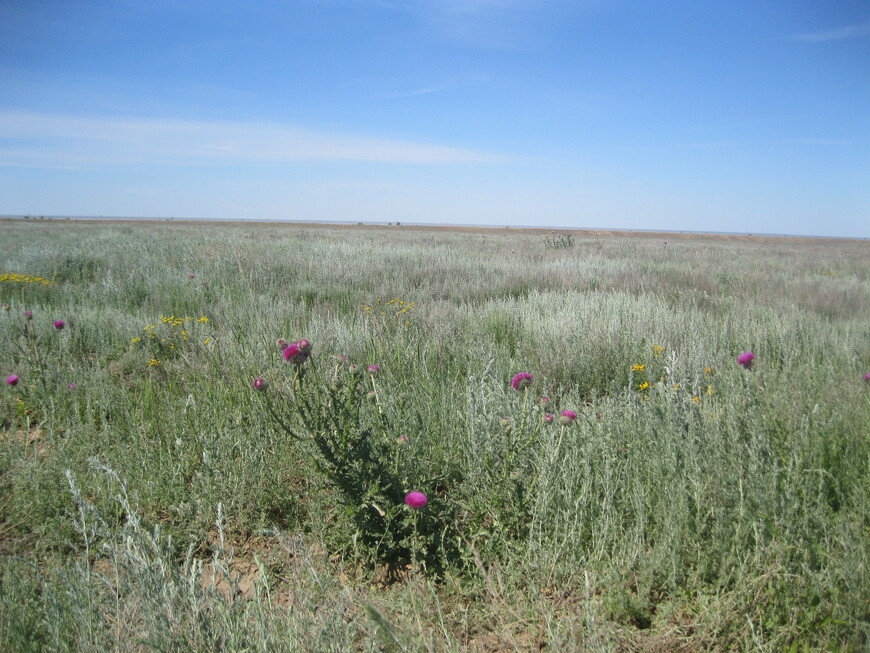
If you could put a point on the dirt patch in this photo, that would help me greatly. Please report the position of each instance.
(33, 439)
(236, 582)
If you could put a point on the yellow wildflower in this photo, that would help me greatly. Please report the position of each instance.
(637, 367)
(697, 400)
(644, 386)
(153, 362)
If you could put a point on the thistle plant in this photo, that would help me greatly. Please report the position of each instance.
(354, 447)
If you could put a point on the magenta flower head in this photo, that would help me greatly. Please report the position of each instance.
(259, 383)
(282, 343)
(28, 315)
(544, 401)
(191, 275)
(745, 359)
(567, 417)
(294, 353)
(521, 381)
(6, 307)
(416, 500)
(71, 386)
(59, 324)
(867, 377)
(548, 418)
(373, 369)
(12, 379)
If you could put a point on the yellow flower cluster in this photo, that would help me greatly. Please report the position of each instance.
(177, 321)
(395, 307)
(177, 331)
(12, 277)
(637, 367)
(657, 351)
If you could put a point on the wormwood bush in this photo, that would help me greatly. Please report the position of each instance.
(358, 449)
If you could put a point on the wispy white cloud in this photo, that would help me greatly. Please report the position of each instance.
(855, 31)
(46, 140)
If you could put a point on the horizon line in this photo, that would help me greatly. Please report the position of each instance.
(384, 223)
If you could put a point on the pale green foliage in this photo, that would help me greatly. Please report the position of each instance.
(714, 508)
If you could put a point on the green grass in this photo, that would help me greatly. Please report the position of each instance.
(162, 506)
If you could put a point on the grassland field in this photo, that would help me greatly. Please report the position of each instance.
(152, 499)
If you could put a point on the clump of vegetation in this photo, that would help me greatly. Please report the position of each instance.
(559, 241)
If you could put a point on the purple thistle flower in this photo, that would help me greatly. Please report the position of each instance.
(548, 418)
(71, 386)
(59, 324)
(544, 401)
(259, 383)
(416, 500)
(867, 377)
(294, 353)
(12, 379)
(282, 343)
(191, 275)
(28, 315)
(521, 381)
(745, 359)
(373, 369)
(567, 417)
(6, 307)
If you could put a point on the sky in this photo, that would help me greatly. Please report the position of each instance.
(673, 115)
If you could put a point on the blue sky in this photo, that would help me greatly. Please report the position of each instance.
(744, 116)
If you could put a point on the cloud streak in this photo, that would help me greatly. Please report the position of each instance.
(47, 140)
(855, 31)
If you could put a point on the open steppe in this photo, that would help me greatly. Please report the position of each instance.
(152, 499)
